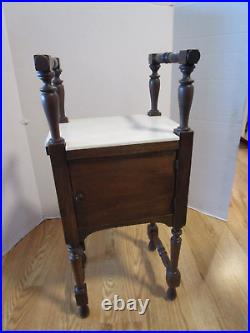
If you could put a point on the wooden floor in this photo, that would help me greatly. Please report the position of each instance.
(37, 279)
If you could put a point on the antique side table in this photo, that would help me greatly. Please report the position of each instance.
(120, 171)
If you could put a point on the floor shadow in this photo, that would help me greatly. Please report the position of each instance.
(152, 286)
(66, 279)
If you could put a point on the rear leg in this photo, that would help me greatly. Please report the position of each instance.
(152, 234)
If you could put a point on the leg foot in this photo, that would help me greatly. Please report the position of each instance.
(76, 257)
(152, 233)
(173, 275)
(171, 294)
(84, 311)
(82, 300)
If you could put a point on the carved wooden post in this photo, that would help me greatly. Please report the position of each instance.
(69, 219)
(77, 258)
(57, 152)
(154, 86)
(187, 60)
(173, 275)
(185, 97)
(58, 83)
(154, 89)
(152, 234)
(49, 97)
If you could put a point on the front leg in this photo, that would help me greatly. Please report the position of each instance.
(173, 275)
(76, 255)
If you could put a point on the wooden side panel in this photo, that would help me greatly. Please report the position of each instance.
(182, 178)
(126, 188)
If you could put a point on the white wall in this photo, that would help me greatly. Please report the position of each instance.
(103, 50)
(219, 31)
(244, 127)
(21, 204)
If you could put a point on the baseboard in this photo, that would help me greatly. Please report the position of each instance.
(208, 214)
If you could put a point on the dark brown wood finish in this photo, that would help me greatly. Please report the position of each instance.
(152, 234)
(123, 188)
(173, 275)
(49, 97)
(126, 150)
(109, 187)
(71, 233)
(154, 88)
(187, 60)
(184, 57)
(183, 168)
(58, 83)
(87, 230)
(185, 97)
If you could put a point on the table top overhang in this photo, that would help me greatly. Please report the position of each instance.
(100, 132)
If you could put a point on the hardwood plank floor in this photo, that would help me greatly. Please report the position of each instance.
(37, 278)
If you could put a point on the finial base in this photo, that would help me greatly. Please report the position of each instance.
(64, 120)
(179, 130)
(153, 113)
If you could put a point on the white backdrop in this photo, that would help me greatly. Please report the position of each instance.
(21, 203)
(219, 31)
(103, 50)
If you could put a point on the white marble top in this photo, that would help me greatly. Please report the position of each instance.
(116, 131)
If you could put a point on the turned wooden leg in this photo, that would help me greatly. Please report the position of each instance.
(173, 275)
(152, 234)
(76, 258)
(84, 257)
(154, 88)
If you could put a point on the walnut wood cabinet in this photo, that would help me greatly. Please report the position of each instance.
(123, 170)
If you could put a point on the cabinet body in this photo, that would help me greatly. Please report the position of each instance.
(122, 170)
(112, 186)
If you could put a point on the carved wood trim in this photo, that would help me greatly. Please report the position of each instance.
(49, 97)
(58, 84)
(183, 168)
(75, 253)
(185, 97)
(154, 88)
(87, 229)
(135, 149)
(187, 59)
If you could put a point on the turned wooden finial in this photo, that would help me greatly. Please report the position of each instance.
(154, 87)
(185, 97)
(187, 60)
(58, 83)
(49, 97)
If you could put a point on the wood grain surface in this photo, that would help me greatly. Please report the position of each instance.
(37, 278)
(120, 189)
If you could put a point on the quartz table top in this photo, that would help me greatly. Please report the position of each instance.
(86, 133)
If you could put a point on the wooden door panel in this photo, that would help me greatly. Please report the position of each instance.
(117, 189)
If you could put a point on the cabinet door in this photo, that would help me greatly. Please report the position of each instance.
(116, 190)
